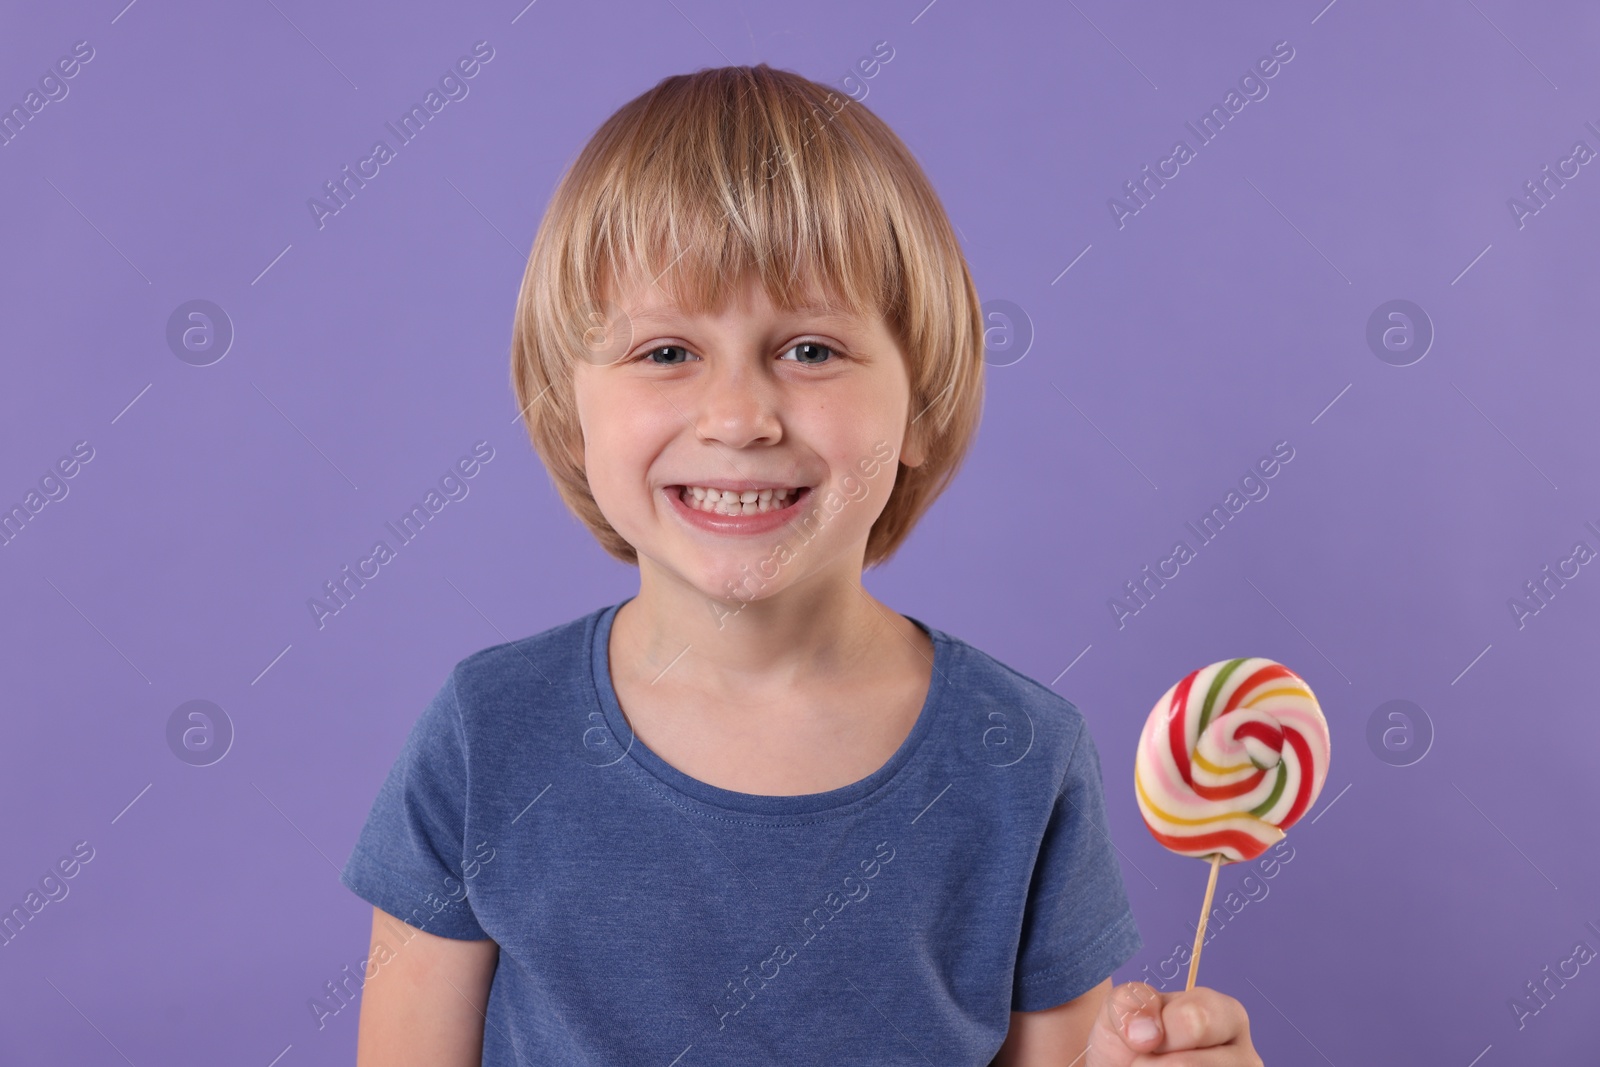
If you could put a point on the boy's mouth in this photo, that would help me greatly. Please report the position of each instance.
(730, 502)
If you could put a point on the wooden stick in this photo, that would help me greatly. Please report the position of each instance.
(1205, 913)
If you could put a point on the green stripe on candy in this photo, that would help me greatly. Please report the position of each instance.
(1277, 791)
(1211, 693)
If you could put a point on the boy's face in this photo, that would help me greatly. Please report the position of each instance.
(806, 401)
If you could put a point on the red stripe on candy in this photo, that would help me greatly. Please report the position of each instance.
(1177, 736)
(1308, 773)
(1248, 847)
(1228, 792)
(1265, 674)
(1265, 732)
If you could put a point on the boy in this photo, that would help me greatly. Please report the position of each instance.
(752, 815)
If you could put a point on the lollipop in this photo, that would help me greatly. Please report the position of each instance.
(1230, 758)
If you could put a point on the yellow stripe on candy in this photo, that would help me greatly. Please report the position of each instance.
(1138, 783)
(1290, 691)
(1214, 769)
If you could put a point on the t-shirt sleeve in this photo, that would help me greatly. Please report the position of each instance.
(410, 855)
(1077, 927)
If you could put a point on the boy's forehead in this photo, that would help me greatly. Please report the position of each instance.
(647, 301)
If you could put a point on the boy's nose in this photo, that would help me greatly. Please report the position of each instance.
(738, 409)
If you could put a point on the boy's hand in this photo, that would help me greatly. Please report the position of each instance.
(1139, 1026)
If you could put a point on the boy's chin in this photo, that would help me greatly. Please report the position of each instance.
(733, 584)
(736, 575)
(729, 575)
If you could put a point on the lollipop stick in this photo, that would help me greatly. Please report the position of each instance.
(1205, 913)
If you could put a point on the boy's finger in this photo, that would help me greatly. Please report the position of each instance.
(1133, 1012)
(1202, 1018)
(1214, 1057)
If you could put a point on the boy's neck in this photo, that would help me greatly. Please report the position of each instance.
(827, 626)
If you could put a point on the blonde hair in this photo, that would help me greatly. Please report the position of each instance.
(709, 177)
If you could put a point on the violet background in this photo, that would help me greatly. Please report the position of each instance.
(1228, 315)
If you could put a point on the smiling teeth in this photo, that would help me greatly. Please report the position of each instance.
(728, 502)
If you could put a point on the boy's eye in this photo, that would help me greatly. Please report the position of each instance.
(668, 362)
(811, 352)
(808, 352)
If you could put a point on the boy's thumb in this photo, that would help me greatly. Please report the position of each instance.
(1134, 1013)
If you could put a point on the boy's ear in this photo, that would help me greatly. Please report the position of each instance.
(913, 451)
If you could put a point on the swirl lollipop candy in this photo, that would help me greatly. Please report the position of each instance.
(1230, 757)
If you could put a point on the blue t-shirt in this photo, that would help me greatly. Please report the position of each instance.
(646, 917)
